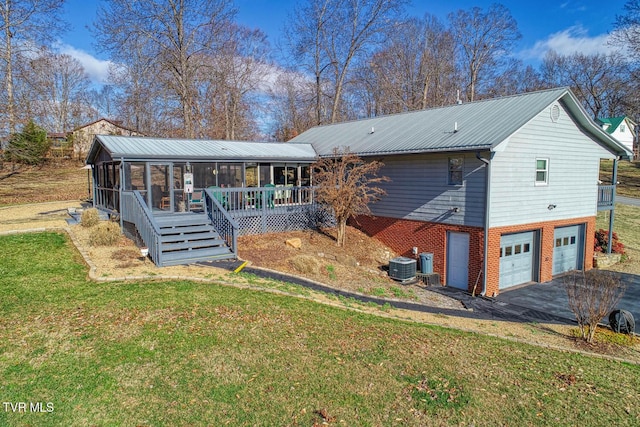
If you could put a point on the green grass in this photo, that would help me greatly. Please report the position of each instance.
(182, 353)
(626, 224)
(628, 177)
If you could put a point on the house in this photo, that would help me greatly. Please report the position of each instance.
(494, 189)
(623, 129)
(82, 137)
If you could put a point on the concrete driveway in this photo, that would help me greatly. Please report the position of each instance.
(551, 298)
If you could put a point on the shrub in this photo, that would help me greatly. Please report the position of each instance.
(601, 242)
(90, 217)
(592, 295)
(106, 234)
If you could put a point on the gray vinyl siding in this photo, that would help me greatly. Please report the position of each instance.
(419, 190)
(573, 173)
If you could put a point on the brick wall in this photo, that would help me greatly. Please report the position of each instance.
(546, 230)
(402, 235)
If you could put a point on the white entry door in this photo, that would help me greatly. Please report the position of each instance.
(458, 260)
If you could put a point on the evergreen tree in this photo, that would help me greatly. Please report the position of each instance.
(29, 146)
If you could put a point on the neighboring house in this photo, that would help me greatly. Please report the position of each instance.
(623, 129)
(493, 189)
(82, 137)
(502, 191)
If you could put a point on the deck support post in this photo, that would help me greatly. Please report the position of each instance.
(614, 182)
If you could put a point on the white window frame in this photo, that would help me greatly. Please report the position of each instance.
(545, 170)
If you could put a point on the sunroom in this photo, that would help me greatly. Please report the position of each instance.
(237, 187)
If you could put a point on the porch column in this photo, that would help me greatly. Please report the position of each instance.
(614, 182)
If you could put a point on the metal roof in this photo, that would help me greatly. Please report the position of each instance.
(146, 148)
(474, 126)
(477, 126)
(613, 123)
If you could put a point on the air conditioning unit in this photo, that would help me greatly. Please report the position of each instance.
(402, 269)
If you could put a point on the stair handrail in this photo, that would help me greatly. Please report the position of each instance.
(147, 227)
(225, 225)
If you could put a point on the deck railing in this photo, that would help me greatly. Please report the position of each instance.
(107, 198)
(606, 196)
(136, 211)
(250, 199)
(224, 224)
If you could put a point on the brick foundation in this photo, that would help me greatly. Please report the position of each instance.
(401, 235)
(546, 230)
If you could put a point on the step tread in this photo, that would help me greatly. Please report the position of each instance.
(181, 257)
(183, 224)
(187, 230)
(193, 245)
(174, 238)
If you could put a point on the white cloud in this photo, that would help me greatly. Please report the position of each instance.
(97, 69)
(567, 42)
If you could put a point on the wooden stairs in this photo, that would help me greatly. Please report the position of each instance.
(189, 238)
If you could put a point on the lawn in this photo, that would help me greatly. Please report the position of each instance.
(628, 177)
(183, 353)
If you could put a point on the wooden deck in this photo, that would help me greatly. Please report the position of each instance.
(209, 231)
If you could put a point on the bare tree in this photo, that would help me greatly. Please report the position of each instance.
(60, 85)
(415, 69)
(238, 72)
(291, 105)
(600, 81)
(138, 94)
(172, 37)
(514, 79)
(332, 36)
(348, 185)
(104, 100)
(627, 27)
(484, 41)
(26, 25)
(592, 295)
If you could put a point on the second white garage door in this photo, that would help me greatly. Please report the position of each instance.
(516, 259)
(567, 245)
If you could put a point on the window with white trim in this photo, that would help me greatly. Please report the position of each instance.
(542, 171)
(456, 166)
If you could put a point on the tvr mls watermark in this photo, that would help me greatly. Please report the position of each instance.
(42, 407)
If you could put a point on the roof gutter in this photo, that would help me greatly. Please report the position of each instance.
(487, 163)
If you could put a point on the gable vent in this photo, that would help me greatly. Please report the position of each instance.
(555, 113)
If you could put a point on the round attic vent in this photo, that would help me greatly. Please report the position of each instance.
(555, 113)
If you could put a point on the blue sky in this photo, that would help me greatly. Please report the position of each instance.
(564, 25)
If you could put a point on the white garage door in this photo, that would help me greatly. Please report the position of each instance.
(567, 249)
(516, 259)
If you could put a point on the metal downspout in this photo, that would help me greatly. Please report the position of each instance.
(614, 181)
(487, 163)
